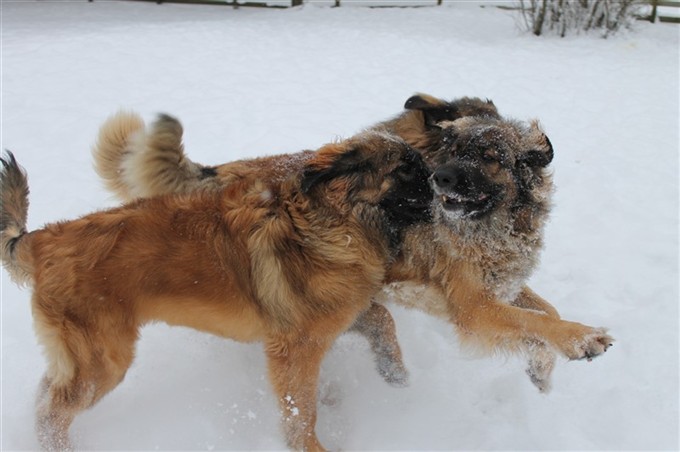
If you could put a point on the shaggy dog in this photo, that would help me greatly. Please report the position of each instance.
(291, 258)
(492, 194)
(493, 198)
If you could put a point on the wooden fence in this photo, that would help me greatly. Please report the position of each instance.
(660, 9)
(232, 3)
(293, 3)
(664, 14)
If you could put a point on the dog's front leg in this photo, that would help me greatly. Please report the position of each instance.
(377, 325)
(541, 356)
(294, 370)
(493, 325)
(528, 299)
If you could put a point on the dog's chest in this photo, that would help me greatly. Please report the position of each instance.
(505, 260)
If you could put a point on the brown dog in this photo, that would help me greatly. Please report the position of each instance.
(506, 234)
(492, 194)
(291, 259)
(492, 198)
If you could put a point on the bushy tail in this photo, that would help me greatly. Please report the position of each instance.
(114, 145)
(135, 162)
(13, 214)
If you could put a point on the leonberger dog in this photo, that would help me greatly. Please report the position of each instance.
(470, 267)
(291, 258)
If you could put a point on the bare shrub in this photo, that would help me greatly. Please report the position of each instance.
(574, 16)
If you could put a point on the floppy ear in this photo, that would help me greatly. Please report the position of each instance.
(434, 110)
(421, 101)
(539, 158)
(330, 162)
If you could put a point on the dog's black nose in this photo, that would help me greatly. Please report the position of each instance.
(445, 178)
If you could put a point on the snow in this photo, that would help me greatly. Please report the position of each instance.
(250, 82)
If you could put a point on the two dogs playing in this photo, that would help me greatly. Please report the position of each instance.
(293, 250)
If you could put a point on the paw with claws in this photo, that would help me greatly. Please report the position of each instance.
(587, 343)
(595, 344)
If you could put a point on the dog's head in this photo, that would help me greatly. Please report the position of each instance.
(487, 165)
(421, 124)
(374, 169)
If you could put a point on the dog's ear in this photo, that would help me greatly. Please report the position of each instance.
(434, 110)
(331, 161)
(421, 101)
(539, 158)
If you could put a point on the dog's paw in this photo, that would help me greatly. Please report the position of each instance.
(590, 344)
(544, 385)
(393, 372)
(330, 394)
(541, 364)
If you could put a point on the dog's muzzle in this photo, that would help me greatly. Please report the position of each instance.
(463, 191)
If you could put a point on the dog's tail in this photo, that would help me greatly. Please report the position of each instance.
(117, 140)
(138, 162)
(13, 215)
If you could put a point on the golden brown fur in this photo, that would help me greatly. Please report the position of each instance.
(291, 262)
(503, 253)
(469, 267)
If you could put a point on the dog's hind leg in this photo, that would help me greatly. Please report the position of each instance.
(377, 325)
(56, 406)
(58, 402)
(52, 422)
(61, 394)
(86, 361)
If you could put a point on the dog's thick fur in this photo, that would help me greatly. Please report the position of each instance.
(492, 194)
(499, 249)
(291, 260)
(469, 267)
(492, 199)
(136, 163)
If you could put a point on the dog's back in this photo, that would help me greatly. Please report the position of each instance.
(136, 161)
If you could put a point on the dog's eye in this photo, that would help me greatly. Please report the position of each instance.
(491, 155)
(405, 171)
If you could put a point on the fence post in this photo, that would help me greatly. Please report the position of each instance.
(652, 18)
(295, 2)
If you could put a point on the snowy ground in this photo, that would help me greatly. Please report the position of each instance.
(249, 82)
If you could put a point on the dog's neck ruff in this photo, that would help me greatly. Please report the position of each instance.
(506, 257)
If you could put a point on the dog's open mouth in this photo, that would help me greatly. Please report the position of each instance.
(467, 206)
